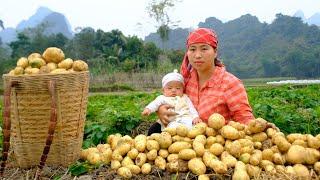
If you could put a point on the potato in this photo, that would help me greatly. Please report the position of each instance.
(210, 141)
(94, 158)
(116, 156)
(300, 143)
(229, 132)
(196, 166)
(234, 148)
(80, 65)
(228, 160)
(237, 125)
(245, 158)
(53, 54)
(296, 136)
(113, 140)
(201, 138)
(256, 158)
(316, 167)
(22, 62)
(312, 156)
(106, 156)
(301, 171)
(240, 172)
(313, 142)
(18, 70)
(163, 153)
(220, 139)
(123, 148)
(207, 157)
(58, 71)
(134, 168)
(265, 163)
(152, 144)
(52, 66)
(44, 70)
(133, 153)
(66, 64)
(267, 154)
(154, 136)
(253, 171)
(218, 166)
(210, 132)
(160, 162)
(115, 164)
(195, 131)
(296, 154)
(146, 168)
(11, 72)
(187, 154)
(198, 148)
(37, 62)
(178, 146)
(281, 142)
(259, 137)
(216, 121)
(124, 172)
(290, 171)
(257, 145)
(140, 142)
(183, 165)
(165, 140)
(173, 167)
(203, 177)
(141, 159)
(271, 132)
(172, 157)
(171, 131)
(216, 149)
(278, 159)
(152, 155)
(257, 125)
(182, 130)
(126, 161)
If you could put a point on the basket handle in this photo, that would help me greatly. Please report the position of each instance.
(6, 124)
(52, 126)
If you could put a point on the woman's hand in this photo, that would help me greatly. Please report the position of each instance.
(164, 113)
(196, 120)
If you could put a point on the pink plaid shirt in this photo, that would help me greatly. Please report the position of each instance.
(223, 93)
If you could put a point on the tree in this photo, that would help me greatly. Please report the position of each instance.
(158, 9)
(21, 47)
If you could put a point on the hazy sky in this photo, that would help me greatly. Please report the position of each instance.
(126, 15)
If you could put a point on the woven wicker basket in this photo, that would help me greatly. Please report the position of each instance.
(30, 113)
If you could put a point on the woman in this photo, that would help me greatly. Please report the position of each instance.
(207, 83)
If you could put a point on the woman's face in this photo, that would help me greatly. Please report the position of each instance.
(201, 56)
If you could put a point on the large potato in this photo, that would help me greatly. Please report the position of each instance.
(178, 146)
(229, 132)
(66, 64)
(257, 125)
(196, 166)
(187, 154)
(140, 142)
(53, 54)
(80, 65)
(23, 62)
(124, 172)
(216, 121)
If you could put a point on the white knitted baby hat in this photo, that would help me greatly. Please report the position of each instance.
(173, 76)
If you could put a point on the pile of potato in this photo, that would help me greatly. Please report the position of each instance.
(249, 149)
(51, 61)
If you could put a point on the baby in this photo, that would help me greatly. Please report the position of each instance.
(172, 88)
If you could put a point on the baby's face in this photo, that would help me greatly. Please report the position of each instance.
(173, 88)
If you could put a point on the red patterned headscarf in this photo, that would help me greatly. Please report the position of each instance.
(200, 35)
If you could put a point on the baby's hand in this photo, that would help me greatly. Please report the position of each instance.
(146, 112)
(196, 120)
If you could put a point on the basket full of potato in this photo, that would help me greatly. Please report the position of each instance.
(45, 100)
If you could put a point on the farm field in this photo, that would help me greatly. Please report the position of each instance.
(294, 109)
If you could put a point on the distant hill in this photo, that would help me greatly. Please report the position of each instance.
(56, 22)
(312, 20)
(250, 48)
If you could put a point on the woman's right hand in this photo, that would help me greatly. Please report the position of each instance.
(164, 113)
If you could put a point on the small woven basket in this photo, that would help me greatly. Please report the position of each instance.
(31, 117)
